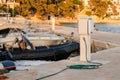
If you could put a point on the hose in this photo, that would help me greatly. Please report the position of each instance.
(70, 67)
(89, 65)
(94, 63)
(52, 74)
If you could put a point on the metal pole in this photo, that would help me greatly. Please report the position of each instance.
(53, 24)
(13, 9)
(7, 12)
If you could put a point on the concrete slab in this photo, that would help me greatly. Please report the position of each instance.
(110, 70)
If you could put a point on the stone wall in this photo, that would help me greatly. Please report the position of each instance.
(99, 45)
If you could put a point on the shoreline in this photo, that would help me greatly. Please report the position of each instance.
(108, 21)
(95, 21)
(60, 21)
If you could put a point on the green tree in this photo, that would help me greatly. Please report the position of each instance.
(98, 7)
(66, 8)
(88, 13)
(50, 9)
(18, 10)
(42, 8)
(113, 8)
(24, 7)
(78, 3)
(1, 7)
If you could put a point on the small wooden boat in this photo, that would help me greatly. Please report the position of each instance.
(52, 52)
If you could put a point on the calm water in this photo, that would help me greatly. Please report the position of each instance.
(114, 28)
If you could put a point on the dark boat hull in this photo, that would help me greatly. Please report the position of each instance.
(53, 52)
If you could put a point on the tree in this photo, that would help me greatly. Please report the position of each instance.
(42, 8)
(78, 3)
(66, 8)
(114, 11)
(99, 7)
(18, 10)
(88, 13)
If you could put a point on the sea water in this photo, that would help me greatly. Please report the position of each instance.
(114, 28)
(106, 27)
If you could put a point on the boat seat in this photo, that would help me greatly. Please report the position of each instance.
(22, 45)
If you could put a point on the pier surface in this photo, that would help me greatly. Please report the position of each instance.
(110, 58)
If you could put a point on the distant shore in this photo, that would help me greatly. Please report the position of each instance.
(69, 20)
(95, 21)
(107, 21)
(59, 21)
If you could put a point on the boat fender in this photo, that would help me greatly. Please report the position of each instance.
(2, 70)
(1, 66)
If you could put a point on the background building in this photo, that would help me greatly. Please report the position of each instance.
(116, 1)
(3, 1)
(10, 3)
(86, 2)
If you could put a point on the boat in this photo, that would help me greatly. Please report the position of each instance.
(51, 53)
(8, 35)
(6, 66)
(27, 51)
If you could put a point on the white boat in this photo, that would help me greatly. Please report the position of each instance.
(9, 35)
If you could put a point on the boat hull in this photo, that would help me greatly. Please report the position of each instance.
(53, 52)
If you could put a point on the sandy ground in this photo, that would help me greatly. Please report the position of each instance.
(110, 70)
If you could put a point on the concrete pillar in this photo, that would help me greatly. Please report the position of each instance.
(85, 28)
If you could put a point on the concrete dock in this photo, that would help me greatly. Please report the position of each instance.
(110, 58)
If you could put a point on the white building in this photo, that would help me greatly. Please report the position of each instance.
(117, 5)
(109, 10)
(118, 8)
(10, 3)
(3, 1)
(86, 2)
(116, 1)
